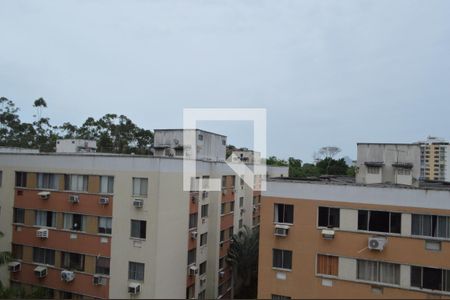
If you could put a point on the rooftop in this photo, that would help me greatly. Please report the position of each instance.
(350, 180)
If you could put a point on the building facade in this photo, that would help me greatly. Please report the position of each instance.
(434, 159)
(93, 225)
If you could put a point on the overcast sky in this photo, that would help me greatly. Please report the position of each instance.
(328, 72)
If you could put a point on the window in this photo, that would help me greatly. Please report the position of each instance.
(140, 186)
(74, 222)
(230, 232)
(240, 223)
(327, 265)
(202, 268)
(136, 271)
(104, 225)
(242, 180)
(224, 181)
(47, 181)
(106, 184)
(72, 261)
(204, 211)
(1, 178)
(402, 171)
(231, 206)
(241, 202)
(193, 221)
(380, 221)
(329, 217)
(191, 257)
(224, 142)
(200, 137)
(284, 213)
(373, 170)
(190, 292)
(222, 208)
(221, 263)
(378, 271)
(205, 182)
(17, 251)
(21, 179)
(430, 278)
(19, 215)
(282, 259)
(138, 229)
(102, 265)
(279, 297)
(77, 183)
(222, 235)
(203, 239)
(43, 256)
(45, 218)
(429, 225)
(201, 295)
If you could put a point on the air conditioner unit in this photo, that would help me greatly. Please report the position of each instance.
(74, 199)
(67, 276)
(14, 266)
(221, 274)
(193, 270)
(138, 203)
(194, 235)
(281, 230)
(99, 280)
(328, 234)
(40, 271)
(377, 243)
(44, 195)
(134, 288)
(104, 200)
(42, 233)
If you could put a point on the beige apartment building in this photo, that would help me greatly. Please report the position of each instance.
(434, 159)
(90, 225)
(383, 235)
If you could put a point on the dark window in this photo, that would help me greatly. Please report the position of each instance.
(379, 221)
(19, 215)
(102, 265)
(17, 251)
(430, 278)
(202, 268)
(284, 213)
(192, 220)
(44, 256)
(428, 225)
(21, 179)
(204, 210)
(329, 217)
(203, 239)
(222, 235)
(72, 261)
(138, 229)
(104, 225)
(136, 271)
(282, 259)
(191, 256)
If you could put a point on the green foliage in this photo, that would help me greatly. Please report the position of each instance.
(113, 133)
(274, 161)
(330, 166)
(243, 258)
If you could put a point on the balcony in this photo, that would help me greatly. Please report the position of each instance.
(82, 284)
(63, 240)
(59, 201)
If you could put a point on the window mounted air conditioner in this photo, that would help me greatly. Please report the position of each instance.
(14, 266)
(74, 199)
(134, 288)
(194, 235)
(67, 276)
(44, 195)
(193, 270)
(377, 243)
(281, 230)
(221, 274)
(328, 234)
(104, 200)
(40, 271)
(99, 280)
(42, 233)
(138, 203)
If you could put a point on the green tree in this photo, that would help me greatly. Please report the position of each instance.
(330, 166)
(274, 161)
(295, 167)
(243, 258)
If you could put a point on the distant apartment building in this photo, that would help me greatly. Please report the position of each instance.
(435, 159)
(383, 235)
(96, 225)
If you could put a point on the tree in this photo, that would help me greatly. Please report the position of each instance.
(274, 161)
(295, 167)
(243, 258)
(329, 166)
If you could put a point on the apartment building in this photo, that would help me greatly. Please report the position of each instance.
(434, 159)
(94, 225)
(337, 237)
